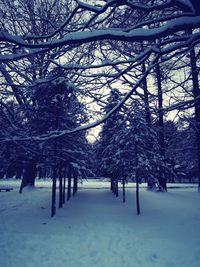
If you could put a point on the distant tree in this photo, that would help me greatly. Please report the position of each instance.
(171, 145)
(184, 148)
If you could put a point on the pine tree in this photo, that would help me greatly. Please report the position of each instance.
(107, 147)
(55, 107)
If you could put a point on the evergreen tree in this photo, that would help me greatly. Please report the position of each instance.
(109, 131)
(55, 107)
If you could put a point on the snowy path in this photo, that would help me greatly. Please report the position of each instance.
(96, 229)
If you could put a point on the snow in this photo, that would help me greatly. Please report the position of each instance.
(96, 229)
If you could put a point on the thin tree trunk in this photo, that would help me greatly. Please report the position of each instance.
(111, 184)
(117, 188)
(55, 150)
(137, 181)
(19, 173)
(64, 187)
(150, 183)
(29, 175)
(162, 176)
(114, 187)
(69, 183)
(75, 187)
(124, 196)
(137, 194)
(53, 202)
(60, 189)
(146, 98)
(196, 94)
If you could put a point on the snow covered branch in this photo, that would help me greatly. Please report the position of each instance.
(171, 27)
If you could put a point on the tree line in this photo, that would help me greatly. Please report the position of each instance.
(68, 66)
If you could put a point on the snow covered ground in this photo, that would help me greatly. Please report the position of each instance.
(95, 229)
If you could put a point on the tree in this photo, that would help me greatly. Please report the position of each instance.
(57, 108)
(161, 132)
(196, 95)
(182, 149)
(107, 147)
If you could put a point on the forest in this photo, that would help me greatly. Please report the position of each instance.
(103, 88)
(99, 123)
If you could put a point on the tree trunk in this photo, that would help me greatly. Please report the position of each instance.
(42, 173)
(10, 173)
(69, 183)
(111, 184)
(162, 177)
(150, 183)
(19, 173)
(146, 97)
(75, 187)
(196, 94)
(55, 167)
(116, 188)
(60, 189)
(137, 194)
(29, 175)
(137, 181)
(124, 196)
(64, 186)
(53, 202)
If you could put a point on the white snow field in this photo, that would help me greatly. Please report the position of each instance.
(95, 229)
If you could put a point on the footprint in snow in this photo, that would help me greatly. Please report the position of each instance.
(153, 257)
